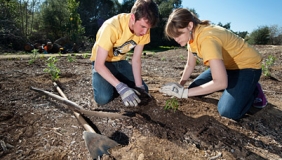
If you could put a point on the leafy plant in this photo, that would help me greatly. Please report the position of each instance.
(85, 55)
(171, 104)
(266, 66)
(52, 68)
(71, 58)
(33, 56)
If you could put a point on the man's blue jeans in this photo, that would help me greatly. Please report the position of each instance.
(240, 93)
(104, 92)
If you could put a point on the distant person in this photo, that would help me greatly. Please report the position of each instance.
(234, 66)
(112, 73)
(44, 48)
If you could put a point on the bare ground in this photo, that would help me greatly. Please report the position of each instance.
(33, 126)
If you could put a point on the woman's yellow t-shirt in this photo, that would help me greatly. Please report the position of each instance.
(214, 42)
(116, 37)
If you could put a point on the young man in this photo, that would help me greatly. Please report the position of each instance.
(118, 35)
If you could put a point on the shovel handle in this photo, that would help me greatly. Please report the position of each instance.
(78, 116)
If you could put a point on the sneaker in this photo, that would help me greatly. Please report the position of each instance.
(260, 101)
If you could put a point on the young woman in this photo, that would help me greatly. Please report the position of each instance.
(234, 66)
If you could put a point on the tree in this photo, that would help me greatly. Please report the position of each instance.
(73, 26)
(242, 34)
(94, 12)
(126, 6)
(10, 36)
(260, 36)
(227, 25)
(54, 16)
(275, 34)
(157, 33)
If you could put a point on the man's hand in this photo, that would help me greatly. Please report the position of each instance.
(141, 87)
(174, 89)
(141, 91)
(127, 94)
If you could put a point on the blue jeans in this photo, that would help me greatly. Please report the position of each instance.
(104, 92)
(238, 97)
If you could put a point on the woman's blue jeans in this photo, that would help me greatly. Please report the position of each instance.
(240, 93)
(104, 92)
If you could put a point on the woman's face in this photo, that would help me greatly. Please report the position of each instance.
(183, 38)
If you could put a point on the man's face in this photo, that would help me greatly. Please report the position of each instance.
(141, 27)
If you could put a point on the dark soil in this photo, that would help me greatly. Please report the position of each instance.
(35, 126)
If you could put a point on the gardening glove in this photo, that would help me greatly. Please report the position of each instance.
(142, 87)
(174, 89)
(141, 91)
(128, 95)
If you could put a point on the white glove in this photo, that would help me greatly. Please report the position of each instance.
(174, 89)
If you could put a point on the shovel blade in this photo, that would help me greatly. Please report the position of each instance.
(97, 144)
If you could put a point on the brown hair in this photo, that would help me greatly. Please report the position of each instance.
(180, 18)
(146, 9)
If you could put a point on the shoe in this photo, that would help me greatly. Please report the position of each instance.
(260, 101)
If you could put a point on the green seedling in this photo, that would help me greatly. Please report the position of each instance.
(171, 104)
(71, 58)
(85, 55)
(52, 68)
(33, 56)
(267, 65)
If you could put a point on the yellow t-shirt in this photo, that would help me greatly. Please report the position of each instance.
(116, 37)
(214, 42)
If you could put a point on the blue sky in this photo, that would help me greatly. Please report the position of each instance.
(244, 15)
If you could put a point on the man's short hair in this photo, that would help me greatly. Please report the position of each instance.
(146, 9)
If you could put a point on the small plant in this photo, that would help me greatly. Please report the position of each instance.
(266, 66)
(52, 69)
(33, 56)
(171, 104)
(71, 58)
(163, 59)
(85, 55)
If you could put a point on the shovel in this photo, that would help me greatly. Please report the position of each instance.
(96, 144)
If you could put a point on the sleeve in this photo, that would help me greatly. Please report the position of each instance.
(106, 37)
(211, 49)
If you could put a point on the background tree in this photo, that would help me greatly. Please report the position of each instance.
(275, 34)
(54, 18)
(94, 12)
(227, 25)
(260, 36)
(73, 26)
(157, 33)
(11, 36)
(126, 6)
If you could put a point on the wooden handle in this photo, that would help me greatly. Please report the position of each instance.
(78, 108)
(78, 116)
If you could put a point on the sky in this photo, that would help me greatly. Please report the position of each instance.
(243, 15)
